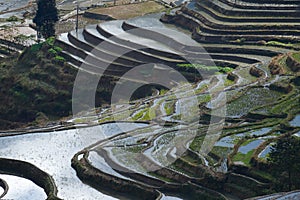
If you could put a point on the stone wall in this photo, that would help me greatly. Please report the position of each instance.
(30, 172)
(103, 182)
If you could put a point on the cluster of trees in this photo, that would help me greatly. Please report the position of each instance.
(285, 163)
(46, 17)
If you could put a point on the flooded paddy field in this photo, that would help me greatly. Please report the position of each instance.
(52, 152)
(191, 139)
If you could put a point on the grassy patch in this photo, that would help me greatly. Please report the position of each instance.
(224, 70)
(204, 98)
(163, 178)
(276, 43)
(106, 119)
(138, 115)
(192, 160)
(282, 61)
(263, 174)
(149, 115)
(135, 148)
(287, 103)
(197, 143)
(221, 151)
(228, 82)
(202, 88)
(163, 91)
(251, 99)
(245, 158)
(296, 56)
(169, 108)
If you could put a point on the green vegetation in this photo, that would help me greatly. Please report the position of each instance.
(168, 11)
(163, 91)
(179, 169)
(228, 82)
(52, 51)
(13, 19)
(149, 115)
(161, 177)
(192, 160)
(204, 98)
(46, 17)
(197, 143)
(50, 41)
(39, 83)
(286, 103)
(296, 56)
(59, 58)
(221, 151)
(263, 174)
(57, 49)
(138, 115)
(245, 158)
(22, 39)
(276, 43)
(169, 107)
(285, 161)
(251, 99)
(36, 47)
(224, 70)
(106, 119)
(135, 148)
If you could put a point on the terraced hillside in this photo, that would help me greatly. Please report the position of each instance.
(241, 22)
(208, 141)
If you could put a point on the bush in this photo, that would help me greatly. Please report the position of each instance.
(13, 19)
(57, 49)
(52, 51)
(60, 58)
(36, 47)
(50, 41)
(225, 70)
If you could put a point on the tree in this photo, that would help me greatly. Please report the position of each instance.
(46, 17)
(285, 159)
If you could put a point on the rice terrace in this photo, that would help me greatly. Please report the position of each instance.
(164, 99)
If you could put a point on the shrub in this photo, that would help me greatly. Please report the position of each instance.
(52, 51)
(225, 70)
(13, 19)
(60, 58)
(50, 41)
(57, 49)
(36, 47)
